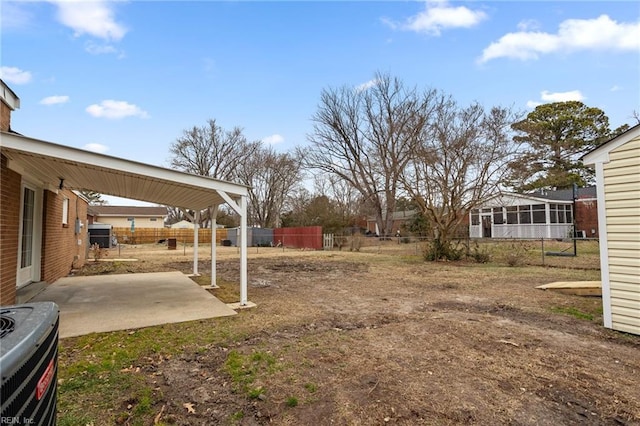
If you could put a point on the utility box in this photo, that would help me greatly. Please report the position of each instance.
(172, 243)
(101, 234)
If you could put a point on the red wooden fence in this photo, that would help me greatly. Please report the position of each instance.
(307, 237)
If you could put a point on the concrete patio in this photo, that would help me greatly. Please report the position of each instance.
(96, 304)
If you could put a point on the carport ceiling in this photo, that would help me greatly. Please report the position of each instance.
(77, 169)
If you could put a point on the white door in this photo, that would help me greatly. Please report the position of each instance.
(29, 239)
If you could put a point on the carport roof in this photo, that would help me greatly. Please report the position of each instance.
(56, 165)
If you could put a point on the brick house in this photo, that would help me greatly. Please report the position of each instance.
(399, 222)
(43, 232)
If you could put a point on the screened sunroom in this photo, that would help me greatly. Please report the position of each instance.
(521, 216)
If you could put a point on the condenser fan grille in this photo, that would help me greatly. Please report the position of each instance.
(7, 325)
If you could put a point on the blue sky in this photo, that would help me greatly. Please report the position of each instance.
(125, 78)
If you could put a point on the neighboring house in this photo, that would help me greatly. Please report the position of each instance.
(124, 216)
(43, 228)
(399, 218)
(585, 208)
(546, 214)
(183, 224)
(617, 165)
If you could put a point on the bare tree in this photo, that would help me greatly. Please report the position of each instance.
(271, 177)
(347, 200)
(175, 215)
(462, 159)
(95, 198)
(366, 138)
(213, 152)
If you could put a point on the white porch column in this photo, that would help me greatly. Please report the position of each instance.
(214, 231)
(196, 225)
(242, 201)
(547, 219)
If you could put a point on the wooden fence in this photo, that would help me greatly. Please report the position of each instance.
(309, 237)
(155, 235)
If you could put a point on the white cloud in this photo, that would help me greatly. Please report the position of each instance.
(116, 109)
(96, 147)
(15, 75)
(368, 85)
(273, 139)
(438, 16)
(528, 25)
(95, 18)
(14, 16)
(547, 97)
(601, 33)
(573, 95)
(99, 49)
(615, 88)
(53, 100)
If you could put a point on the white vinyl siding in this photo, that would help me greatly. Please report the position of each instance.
(622, 206)
(125, 222)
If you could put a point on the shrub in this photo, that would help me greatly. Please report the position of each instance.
(442, 250)
(516, 254)
(480, 255)
(96, 252)
(355, 242)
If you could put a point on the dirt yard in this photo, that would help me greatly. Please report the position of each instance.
(365, 339)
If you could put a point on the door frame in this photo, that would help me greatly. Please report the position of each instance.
(25, 277)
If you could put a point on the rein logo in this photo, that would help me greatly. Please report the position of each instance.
(44, 381)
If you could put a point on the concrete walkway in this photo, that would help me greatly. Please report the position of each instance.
(96, 304)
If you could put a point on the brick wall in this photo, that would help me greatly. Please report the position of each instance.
(5, 117)
(587, 217)
(60, 249)
(9, 226)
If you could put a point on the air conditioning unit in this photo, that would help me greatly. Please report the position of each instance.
(29, 363)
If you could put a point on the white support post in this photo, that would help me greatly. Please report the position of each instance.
(214, 231)
(196, 225)
(242, 201)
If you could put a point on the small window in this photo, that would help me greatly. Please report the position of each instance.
(475, 217)
(525, 214)
(130, 219)
(569, 214)
(538, 213)
(65, 211)
(553, 213)
(512, 215)
(153, 219)
(498, 218)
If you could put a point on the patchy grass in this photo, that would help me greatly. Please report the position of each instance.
(291, 402)
(244, 369)
(358, 338)
(574, 312)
